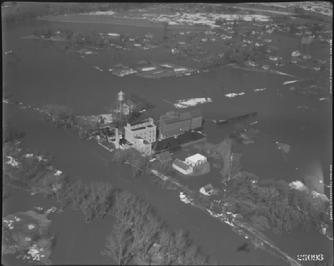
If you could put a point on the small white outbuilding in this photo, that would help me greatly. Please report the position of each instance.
(196, 159)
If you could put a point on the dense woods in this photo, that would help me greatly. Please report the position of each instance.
(138, 236)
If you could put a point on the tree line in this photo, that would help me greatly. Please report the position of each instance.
(137, 234)
(265, 203)
(271, 204)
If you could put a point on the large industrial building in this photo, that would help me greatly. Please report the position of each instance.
(177, 122)
(141, 135)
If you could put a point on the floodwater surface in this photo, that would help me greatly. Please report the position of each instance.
(39, 73)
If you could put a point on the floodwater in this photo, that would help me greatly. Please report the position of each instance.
(39, 73)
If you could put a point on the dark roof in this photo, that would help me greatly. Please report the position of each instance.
(139, 122)
(174, 116)
(170, 143)
(181, 164)
(139, 128)
(189, 136)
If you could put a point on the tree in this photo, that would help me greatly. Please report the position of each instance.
(97, 200)
(193, 256)
(166, 240)
(146, 228)
(225, 151)
(260, 222)
(119, 242)
(60, 114)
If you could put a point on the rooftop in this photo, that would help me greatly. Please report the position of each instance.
(189, 136)
(181, 164)
(196, 158)
(142, 140)
(149, 121)
(138, 128)
(174, 116)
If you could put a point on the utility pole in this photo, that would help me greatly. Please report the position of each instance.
(230, 167)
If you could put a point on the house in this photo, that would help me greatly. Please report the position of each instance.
(196, 160)
(191, 164)
(182, 167)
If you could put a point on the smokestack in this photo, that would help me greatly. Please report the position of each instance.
(116, 138)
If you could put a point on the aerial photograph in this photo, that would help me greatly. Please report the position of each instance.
(160, 133)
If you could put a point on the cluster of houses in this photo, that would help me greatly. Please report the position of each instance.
(153, 137)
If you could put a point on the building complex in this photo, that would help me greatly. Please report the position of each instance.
(141, 135)
(175, 123)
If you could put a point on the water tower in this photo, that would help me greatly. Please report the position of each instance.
(120, 99)
(120, 105)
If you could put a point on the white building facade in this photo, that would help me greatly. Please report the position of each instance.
(187, 166)
(196, 160)
(141, 135)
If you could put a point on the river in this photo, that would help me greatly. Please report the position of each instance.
(39, 73)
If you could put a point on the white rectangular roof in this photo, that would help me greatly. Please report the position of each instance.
(196, 158)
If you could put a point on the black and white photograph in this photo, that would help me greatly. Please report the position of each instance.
(167, 133)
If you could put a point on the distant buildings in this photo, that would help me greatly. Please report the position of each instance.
(190, 164)
(177, 122)
(141, 135)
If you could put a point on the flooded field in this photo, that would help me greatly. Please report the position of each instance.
(39, 73)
